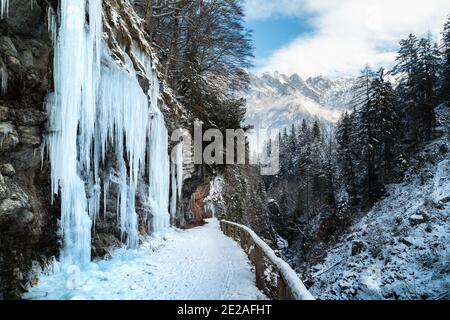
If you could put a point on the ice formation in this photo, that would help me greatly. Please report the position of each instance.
(177, 177)
(3, 80)
(179, 166)
(158, 166)
(4, 8)
(99, 111)
(51, 22)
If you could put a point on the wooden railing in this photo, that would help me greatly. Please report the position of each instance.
(273, 275)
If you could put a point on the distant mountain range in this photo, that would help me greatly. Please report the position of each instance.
(275, 100)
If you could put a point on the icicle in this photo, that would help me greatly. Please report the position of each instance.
(3, 80)
(119, 118)
(158, 165)
(51, 24)
(158, 158)
(179, 162)
(4, 8)
(65, 110)
(176, 177)
(173, 183)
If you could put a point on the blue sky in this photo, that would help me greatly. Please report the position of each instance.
(337, 38)
(272, 34)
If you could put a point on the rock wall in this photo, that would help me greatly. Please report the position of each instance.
(28, 222)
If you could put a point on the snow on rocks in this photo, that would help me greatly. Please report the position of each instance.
(416, 219)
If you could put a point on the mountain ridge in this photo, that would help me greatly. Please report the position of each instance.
(276, 101)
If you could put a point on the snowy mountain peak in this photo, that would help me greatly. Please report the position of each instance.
(276, 100)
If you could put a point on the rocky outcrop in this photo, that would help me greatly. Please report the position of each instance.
(197, 205)
(28, 222)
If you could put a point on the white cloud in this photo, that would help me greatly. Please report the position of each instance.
(262, 9)
(347, 34)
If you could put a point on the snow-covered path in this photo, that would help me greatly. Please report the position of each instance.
(199, 263)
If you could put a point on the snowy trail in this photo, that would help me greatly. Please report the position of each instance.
(199, 263)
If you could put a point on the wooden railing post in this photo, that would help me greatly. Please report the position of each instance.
(283, 290)
(244, 241)
(259, 268)
(258, 255)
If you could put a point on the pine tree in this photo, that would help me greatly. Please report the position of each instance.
(330, 174)
(407, 72)
(417, 68)
(293, 139)
(316, 131)
(303, 134)
(364, 143)
(369, 144)
(386, 130)
(284, 154)
(407, 59)
(444, 92)
(429, 58)
(346, 155)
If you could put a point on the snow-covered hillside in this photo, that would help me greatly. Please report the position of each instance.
(275, 101)
(399, 250)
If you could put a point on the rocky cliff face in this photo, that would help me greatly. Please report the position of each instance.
(28, 222)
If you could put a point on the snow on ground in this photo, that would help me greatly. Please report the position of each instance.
(400, 249)
(196, 264)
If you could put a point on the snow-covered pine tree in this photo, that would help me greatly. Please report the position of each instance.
(407, 72)
(417, 68)
(284, 154)
(386, 128)
(346, 154)
(364, 133)
(293, 147)
(444, 92)
(330, 169)
(430, 61)
(316, 132)
(293, 137)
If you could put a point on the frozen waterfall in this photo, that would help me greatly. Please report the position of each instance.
(176, 176)
(97, 112)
